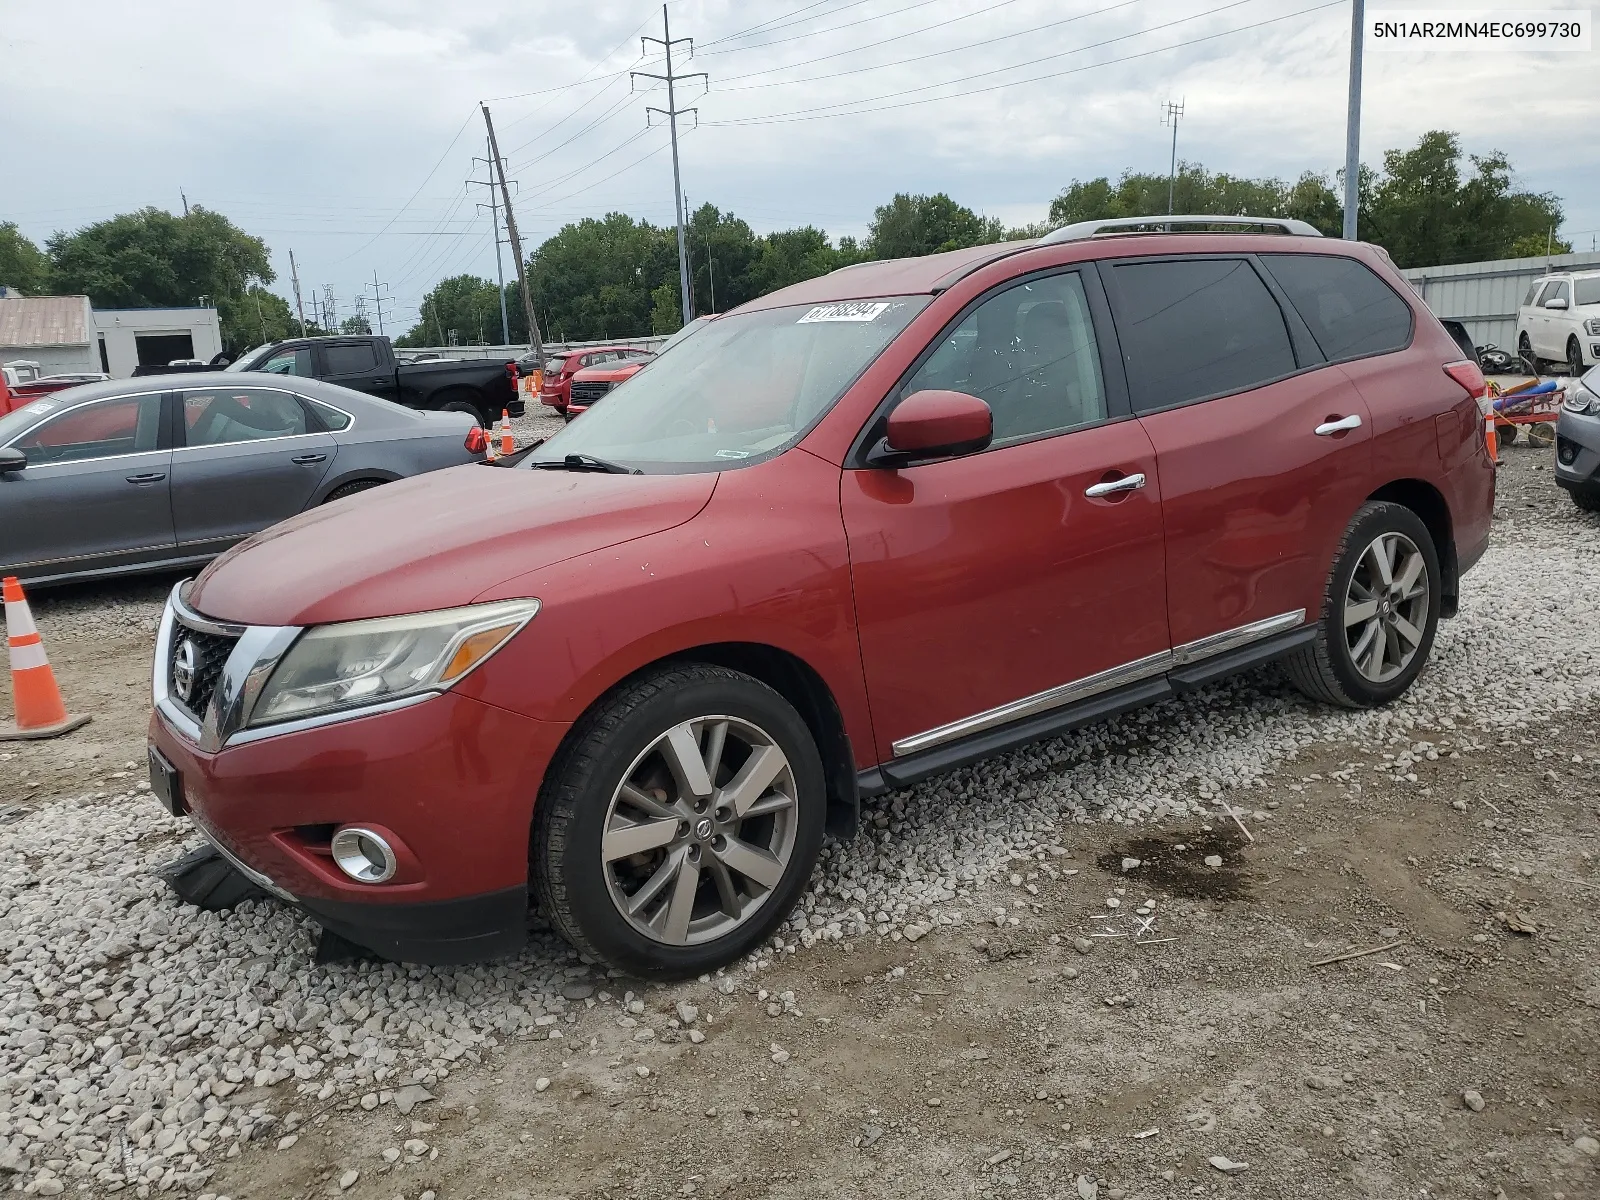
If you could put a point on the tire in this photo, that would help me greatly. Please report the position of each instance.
(468, 407)
(623, 752)
(350, 489)
(1506, 433)
(1329, 669)
(1531, 362)
(1574, 358)
(1587, 499)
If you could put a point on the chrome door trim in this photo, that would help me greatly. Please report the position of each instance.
(1128, 483)
(1056, 697)
(1232, 639)
(1136, 671)
(1343, 425)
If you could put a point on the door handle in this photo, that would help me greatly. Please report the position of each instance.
(380, 379)
(1329, 428)
(1128, 483)
(306, 459)
(148, 477)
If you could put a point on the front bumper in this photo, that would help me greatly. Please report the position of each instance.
(451, 781)
(1578, 451)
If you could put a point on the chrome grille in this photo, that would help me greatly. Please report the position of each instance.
(585, 392)
(197, 671)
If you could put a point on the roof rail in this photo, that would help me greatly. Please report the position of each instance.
(1164, 224)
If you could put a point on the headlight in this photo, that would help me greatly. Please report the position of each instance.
(1593, 326)
(357, 663)
(1581, 396)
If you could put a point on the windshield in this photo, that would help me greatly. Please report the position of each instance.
(1588, 290)
(743, 389)
(246, 361)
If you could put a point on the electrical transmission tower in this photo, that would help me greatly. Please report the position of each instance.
(330, 310)
(672, 112)
(379, 299)
(499, 265)
(1171, 114)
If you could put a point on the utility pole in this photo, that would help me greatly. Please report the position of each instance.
(672, 112)
(299, 307)
(1171, 115)
(499, 266)
(185, 202)
(516, 249)
(711, 271)
(379, 299)
(1352, 123)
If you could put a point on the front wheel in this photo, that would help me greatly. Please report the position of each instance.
(1574, 358)
(1379, 612)
(1587, 499)
(681, 822)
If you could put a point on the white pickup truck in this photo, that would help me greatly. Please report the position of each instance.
(1559, 322)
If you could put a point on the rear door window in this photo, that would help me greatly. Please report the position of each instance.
(1196, 328)
(219, 416)
(1352, 313)
(351, 358)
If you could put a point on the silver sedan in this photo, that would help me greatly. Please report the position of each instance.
(168, 472)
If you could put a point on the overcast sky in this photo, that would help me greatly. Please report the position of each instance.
(345, 129)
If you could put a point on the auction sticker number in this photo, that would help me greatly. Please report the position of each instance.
(849, 310)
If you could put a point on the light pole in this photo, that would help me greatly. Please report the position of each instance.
(1352, 127)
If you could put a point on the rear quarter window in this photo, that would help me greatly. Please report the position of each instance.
(1352, 313)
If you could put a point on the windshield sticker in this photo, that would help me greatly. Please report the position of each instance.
(849, 310)
(41, 406)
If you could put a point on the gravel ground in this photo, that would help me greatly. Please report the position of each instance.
(977, 997)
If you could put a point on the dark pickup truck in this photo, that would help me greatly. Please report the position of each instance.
(483, 387)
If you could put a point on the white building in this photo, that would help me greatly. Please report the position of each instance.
(65, 333)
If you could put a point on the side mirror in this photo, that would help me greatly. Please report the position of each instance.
(934, 424)
(12, 459)
(1558, 302)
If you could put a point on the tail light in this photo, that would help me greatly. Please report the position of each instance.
(511, 373)
(1470, 377)
(477, 441)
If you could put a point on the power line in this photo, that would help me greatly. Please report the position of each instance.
(672, 112)
(414, 194)
(900, 62)
(795, 37)
(771, 21)
(823, 112)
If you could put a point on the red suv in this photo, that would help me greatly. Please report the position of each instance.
(560, 368)
(870, 527)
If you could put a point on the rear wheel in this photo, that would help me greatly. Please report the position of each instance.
(681, 823)
(1587, 499)
(350, 489)
(1379, 612)
(463, 405)
(1574, 357)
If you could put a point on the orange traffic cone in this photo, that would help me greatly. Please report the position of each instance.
(1491, 439)
(507, 442)
(37, 699)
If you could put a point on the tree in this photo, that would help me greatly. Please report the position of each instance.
(1196, 190)
(255, 317)
(152, 259)
(464, 306)
(911, 225)
(23, 265)
(356, 325)
(1427, 207)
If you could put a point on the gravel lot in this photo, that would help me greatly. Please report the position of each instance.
(979, 997)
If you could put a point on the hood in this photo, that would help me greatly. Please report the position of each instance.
(435, 541)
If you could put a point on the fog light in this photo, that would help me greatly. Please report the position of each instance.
(363, 855)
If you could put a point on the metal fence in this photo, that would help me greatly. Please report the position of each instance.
(1484, 296)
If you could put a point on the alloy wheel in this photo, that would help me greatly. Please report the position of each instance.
(1386, 607)
(700, 831)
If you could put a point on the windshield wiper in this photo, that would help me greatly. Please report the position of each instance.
(585, 462)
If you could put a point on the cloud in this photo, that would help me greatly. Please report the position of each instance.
(314, 122)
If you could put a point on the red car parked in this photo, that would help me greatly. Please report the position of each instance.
(870, 527)
(592, 384)
(560, 368)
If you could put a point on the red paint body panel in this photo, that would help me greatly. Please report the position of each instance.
(454, 778)
(984, 579)
(435, 541)
(765, 562)
(1255, 502)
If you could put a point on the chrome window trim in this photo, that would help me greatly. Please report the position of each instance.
(1136, 671)
(180, 393)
